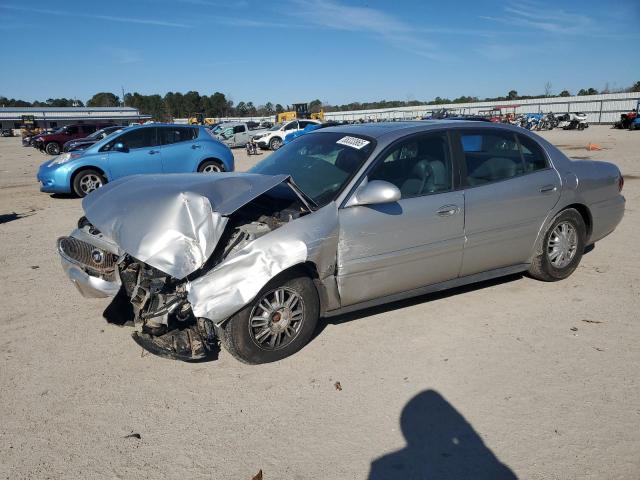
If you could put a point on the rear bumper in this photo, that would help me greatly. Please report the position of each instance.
(606, 217)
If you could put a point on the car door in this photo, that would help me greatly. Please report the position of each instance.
(395, 247)
(141, 153)
(509, 191)
(240, 136)
(180, 148)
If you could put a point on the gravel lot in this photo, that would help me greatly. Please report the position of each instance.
(510, 378)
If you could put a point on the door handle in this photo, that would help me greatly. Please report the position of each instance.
(153, 152)
(194, 146)
(548, 188)
(447, 210)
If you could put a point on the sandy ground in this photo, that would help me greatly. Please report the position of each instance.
(511, 378)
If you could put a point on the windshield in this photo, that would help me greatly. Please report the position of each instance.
(275, 127)
(320, 164)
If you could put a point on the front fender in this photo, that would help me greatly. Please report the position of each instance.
(235, 282)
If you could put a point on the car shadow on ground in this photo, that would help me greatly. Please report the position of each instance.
(441, 444)
(64, 196)
(409, 302)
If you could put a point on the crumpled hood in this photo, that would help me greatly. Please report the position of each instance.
(172, 222)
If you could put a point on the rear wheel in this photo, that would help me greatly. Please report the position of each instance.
(278, 323)
(87, 181)
(562, 247)
(210, 166)
(52, 148)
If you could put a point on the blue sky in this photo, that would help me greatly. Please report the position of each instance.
(339, 51)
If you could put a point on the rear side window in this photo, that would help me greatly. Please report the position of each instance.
(88, 128)
(239, 129)
(491, 156)
(169, 135)
(532, 155)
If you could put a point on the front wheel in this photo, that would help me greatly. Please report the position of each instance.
(278, 323)
(52, 148)
(275, 143)
(87, 181)
(562, 247)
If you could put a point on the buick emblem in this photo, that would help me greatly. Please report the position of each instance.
(97, 256)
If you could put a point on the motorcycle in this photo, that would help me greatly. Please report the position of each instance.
(573, 121)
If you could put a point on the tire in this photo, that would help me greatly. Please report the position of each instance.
(549, 269)
(86, 181)
(275, 143)
(52, 148)
(250, 345)
(210, 166)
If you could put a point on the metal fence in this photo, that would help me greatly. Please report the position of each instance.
(604, 108)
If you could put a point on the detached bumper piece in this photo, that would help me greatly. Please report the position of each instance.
(195, 343)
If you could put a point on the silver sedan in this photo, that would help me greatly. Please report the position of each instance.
(340, 219)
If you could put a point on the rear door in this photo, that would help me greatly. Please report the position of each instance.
(509, 191)
(396, 247)
(142, 156)
(180, 148)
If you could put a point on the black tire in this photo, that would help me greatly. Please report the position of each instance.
(275, 143)
(86, 181)
(236, 334)
(52, 148)
(542, 267)
(211, 166)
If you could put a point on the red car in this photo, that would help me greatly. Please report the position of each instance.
(52, 142)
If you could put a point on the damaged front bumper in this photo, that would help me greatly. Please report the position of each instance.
(90, 268)
(88, 285)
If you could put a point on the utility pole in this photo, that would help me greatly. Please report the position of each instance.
(122, 87)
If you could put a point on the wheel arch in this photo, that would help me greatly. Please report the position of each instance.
(308, 269)
(585, 213)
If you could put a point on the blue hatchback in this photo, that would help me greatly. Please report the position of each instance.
(153, 148)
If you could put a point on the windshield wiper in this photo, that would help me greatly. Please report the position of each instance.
(306, 199)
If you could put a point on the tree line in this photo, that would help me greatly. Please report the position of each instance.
(178, 105)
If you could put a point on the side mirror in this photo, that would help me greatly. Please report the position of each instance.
(375, 192)
(120, 147)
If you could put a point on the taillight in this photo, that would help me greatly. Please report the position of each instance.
(620, 183)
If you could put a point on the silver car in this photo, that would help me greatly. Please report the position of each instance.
(340, 219)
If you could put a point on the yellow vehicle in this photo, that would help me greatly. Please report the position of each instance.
(200, 119)
(300, 111)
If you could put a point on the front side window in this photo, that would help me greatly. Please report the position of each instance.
(137, 138)
(490, 156)
(320, 164)
(291, 126)
(71, 129)
(419, 165)
(239, 129)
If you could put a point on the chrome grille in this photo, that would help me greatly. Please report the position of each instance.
(86, 254)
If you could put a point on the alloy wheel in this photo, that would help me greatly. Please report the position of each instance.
(276, 319)
(562, 245)
(89, 183)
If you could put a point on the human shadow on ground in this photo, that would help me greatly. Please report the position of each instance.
(10, 217)
(441, 445)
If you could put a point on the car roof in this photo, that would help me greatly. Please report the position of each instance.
(398, 129)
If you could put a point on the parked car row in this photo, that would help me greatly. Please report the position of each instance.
(239, 134)
(152, 148)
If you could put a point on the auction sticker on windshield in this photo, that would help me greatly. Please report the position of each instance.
(353, 142)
